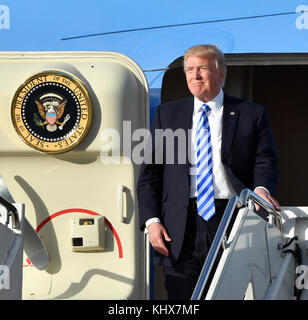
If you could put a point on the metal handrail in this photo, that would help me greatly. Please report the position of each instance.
(208, 264)
(235, 202)
(11, 211)
(247, 195)
(17, 239)
(147, 272)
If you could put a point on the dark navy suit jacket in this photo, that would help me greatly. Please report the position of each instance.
(248, 154)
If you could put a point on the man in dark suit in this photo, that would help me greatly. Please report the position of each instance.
(242, 154)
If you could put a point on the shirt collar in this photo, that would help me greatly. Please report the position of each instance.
(215, 104)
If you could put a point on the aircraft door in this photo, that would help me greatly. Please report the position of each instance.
(67, 121)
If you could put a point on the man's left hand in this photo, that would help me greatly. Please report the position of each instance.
(265, 195)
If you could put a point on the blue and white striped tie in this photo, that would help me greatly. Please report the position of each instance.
(205, 190)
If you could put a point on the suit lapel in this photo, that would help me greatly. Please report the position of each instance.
(186, 113)
(188, 109)
(229, 124)
(187, 125)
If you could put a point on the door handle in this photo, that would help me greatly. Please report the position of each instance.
(123, 204)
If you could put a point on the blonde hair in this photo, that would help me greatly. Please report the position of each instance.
(205, 50)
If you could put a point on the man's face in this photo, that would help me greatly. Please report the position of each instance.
(203, 79)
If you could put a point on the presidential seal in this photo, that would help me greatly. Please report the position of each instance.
(52, 112)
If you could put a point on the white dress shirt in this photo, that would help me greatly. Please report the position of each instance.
(222, 186)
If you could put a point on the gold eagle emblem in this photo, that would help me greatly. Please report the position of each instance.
(51, 109)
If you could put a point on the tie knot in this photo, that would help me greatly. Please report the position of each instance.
(205, 108)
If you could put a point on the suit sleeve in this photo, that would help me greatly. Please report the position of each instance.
(265, 168)
(149, 185)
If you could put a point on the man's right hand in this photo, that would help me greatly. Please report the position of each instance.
(157, 236)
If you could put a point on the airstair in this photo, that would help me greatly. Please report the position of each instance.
(261, 259)
(11, 249)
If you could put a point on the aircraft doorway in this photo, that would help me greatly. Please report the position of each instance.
(280, 83)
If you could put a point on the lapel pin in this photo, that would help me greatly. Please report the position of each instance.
(232, 113)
